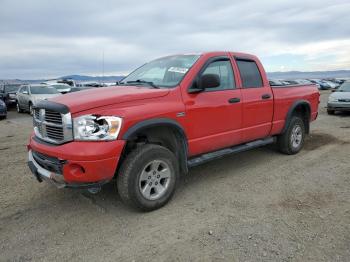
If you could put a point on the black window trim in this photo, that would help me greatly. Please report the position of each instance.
(237, 58)
(204, 67)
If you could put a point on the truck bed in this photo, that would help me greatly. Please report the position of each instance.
(285, 96)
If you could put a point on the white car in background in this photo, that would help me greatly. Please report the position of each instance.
(339, 100)
(29, 95)
(62, 88)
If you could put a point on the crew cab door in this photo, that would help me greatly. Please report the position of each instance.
(213, 115)
(257, 100)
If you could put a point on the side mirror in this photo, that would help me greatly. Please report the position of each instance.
(209, 81)
(25, 92)
(205, 81)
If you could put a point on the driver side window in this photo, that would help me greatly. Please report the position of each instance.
(224, 70)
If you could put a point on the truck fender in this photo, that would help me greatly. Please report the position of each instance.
(295, 107)
(163, 122)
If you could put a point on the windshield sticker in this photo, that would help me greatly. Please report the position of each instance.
(180, 70)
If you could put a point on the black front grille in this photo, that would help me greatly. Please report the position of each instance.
(50, 163)
(53, 117)
(54, 132)
(344, 100)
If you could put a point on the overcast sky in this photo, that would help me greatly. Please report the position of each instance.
(48, 38)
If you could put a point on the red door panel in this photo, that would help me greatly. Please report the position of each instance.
(213, 122)
(257, 112)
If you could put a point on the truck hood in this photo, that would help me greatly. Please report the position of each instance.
(98, 97)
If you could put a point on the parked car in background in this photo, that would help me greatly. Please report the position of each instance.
(323, 85)
(29, 95)
(276, 82)
(68, 81)
(8, 93)
(90, 84)
(331, 84)
(3, 110)
(303, 81)
(339, 100)
(76, 89)
(291, 82)
(62, 88)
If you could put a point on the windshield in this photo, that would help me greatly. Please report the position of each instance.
(165, 72)
(345, 87)
(60, 87)
(41, 90)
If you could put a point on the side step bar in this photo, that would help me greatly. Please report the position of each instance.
(227, 151)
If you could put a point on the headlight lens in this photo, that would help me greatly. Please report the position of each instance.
(332, 99)
(96, 128)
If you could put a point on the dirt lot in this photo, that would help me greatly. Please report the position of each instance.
(255, 206)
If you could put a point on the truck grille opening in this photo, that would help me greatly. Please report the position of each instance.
(53, 117)
(52, 164)
(52, 126)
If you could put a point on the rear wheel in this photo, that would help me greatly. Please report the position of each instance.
(292, 141)
(147, 177)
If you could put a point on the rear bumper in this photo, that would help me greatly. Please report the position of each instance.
(75, 164)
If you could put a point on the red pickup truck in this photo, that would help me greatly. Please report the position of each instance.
(166, 116)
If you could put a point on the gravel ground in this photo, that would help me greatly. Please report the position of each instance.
(254, 206)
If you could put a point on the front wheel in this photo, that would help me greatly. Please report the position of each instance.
(148, 177)
(19, 110)
(292, 141)
(31, 109)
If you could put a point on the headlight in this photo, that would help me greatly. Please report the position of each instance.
(332, 99)
(96, 128)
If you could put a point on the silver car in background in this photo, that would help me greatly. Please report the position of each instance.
(29, 95)
(339, 100)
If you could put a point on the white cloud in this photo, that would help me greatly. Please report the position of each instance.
(40, 38)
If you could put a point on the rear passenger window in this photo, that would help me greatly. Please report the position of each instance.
(250, 73)
(224, 70)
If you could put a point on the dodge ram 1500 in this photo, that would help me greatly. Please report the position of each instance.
(166, 116)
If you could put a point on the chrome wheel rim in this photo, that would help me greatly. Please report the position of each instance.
(17, 106)
(296, 136)
(31, 110)
(155, 179)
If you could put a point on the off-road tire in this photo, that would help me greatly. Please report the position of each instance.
(284, 141)
(130, 172)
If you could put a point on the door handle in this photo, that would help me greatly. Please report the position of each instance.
(234, 100)
(266, 96)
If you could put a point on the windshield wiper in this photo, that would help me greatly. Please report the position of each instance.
(140, 81)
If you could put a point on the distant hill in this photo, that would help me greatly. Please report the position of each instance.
(84, 78)
(272, 75)
(316, 74)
